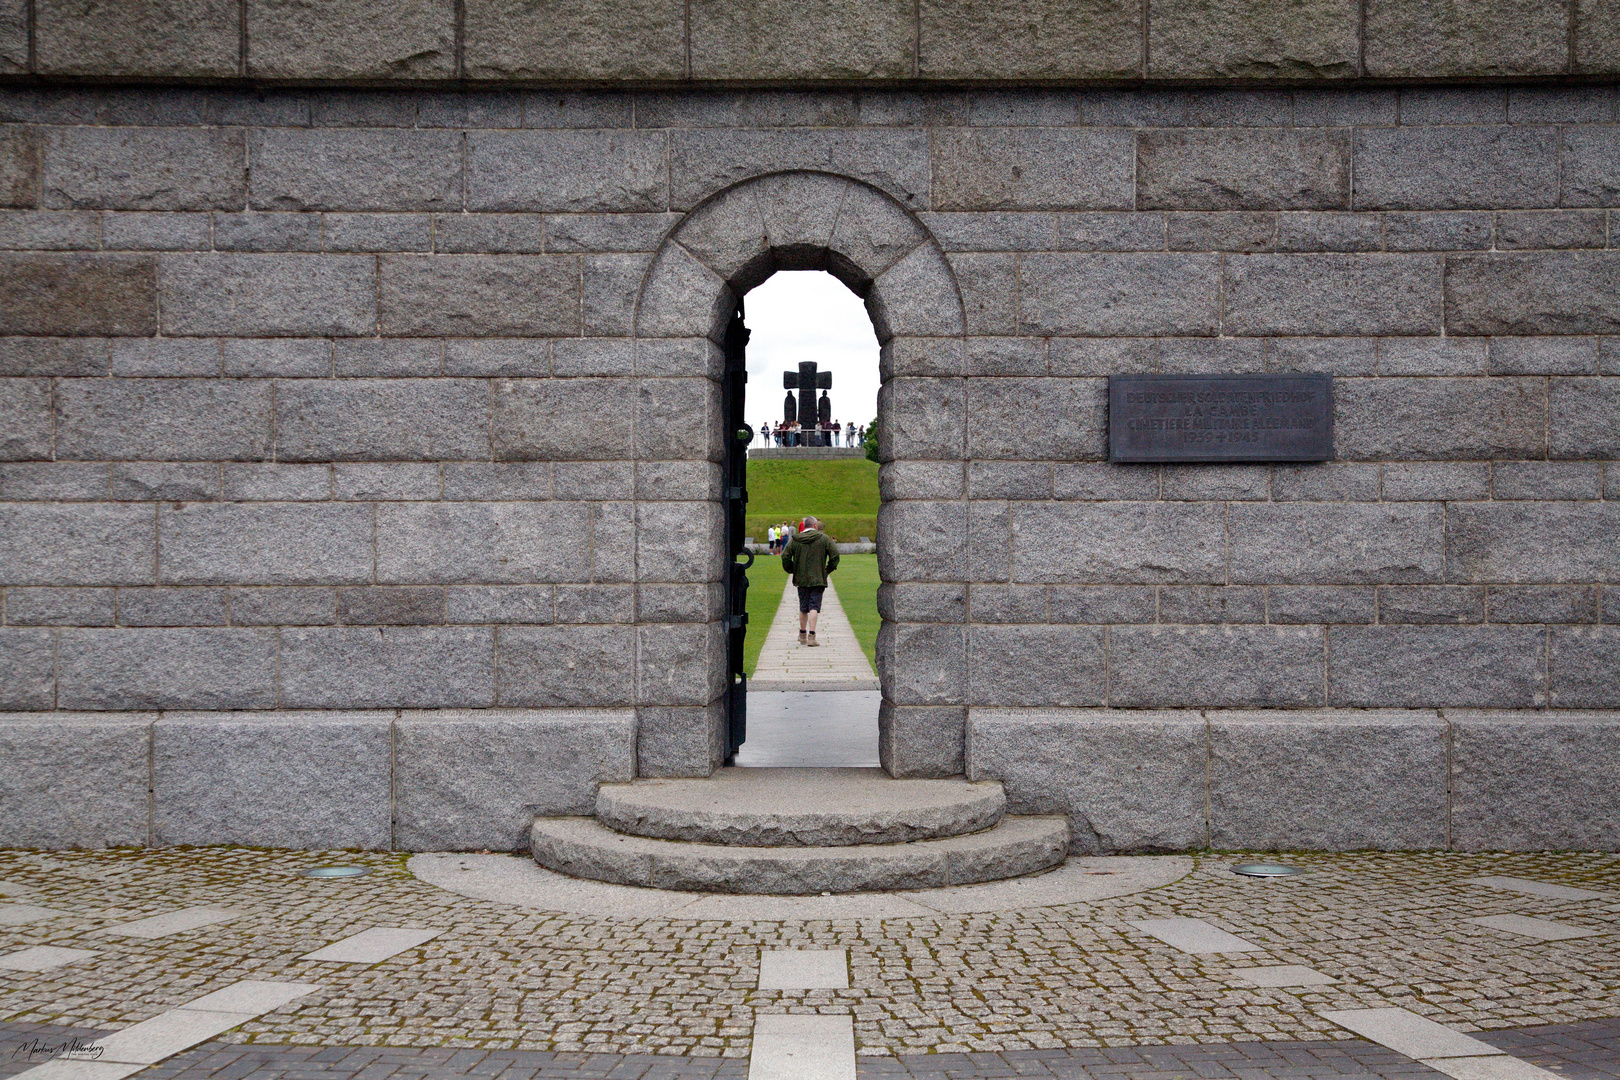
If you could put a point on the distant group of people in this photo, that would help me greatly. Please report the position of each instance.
(777, 536)
(826, 433)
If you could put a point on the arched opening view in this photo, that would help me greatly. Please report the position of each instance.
(811, 518)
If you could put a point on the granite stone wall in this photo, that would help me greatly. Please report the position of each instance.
(775, 42)
(343, 401)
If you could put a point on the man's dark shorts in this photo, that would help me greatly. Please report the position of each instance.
(810, 598)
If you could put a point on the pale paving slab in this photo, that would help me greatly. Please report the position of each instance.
(1545, 929)
(1499, 1067)
(44, 958)
(1408, 1033)
(173, 922)
(1536, 888)
(374, 945)
(799, 1047)
(1282, 975)
(252, 995)
(804, 969)
(1195, 936)
(70, 1069)
(166, 1034)
(22, 914)
(837, 664)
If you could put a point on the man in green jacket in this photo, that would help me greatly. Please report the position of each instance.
(810, 556)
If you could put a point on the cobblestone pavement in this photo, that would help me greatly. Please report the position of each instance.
(1584, 1051)
(1391, 928)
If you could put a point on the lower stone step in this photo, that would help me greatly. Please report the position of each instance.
(583, 847)
(800, 808)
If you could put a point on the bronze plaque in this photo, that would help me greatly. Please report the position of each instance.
(1220, 417)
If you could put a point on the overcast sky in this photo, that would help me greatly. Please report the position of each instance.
(808, 315)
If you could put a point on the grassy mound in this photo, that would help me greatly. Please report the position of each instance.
(842, 492)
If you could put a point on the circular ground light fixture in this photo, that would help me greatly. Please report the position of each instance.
(1261, 869)
(336, 871)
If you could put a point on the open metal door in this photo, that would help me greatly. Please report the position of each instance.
(738, 436)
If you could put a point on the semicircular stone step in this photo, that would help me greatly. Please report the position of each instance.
(800, 808)
(583, 847)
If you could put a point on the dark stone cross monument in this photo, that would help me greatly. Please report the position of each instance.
(807, 380)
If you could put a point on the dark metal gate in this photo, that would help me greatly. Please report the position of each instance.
(738, 437)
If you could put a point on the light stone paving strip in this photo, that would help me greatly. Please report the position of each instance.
(1535, 928)
(1408, 1033)
(1537, 888)
(43, 958)
(799, 1047)
(1282, 975)
(373, 946)
(836, 664)
(1195, 936)
(804, 969)
(173, 922)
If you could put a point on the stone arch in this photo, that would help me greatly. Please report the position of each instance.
(803, 220)
(799, 221)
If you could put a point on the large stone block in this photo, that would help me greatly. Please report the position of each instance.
(567, 666)
(922, 541)
(1544, 292)
(1456, 40)
(1584, 418)
(1581, 662)
(1533, 542)
(567, 171)
(1456, 168)
(54, 356)
(78, 294)
(386, 419)
(1333, 294)
(1416, 419)
(388, 667)
(14, 37)
(340, 39)
(1215, 666)
(66, 544)
(780, 39)
(1233, 39)
(269, 295)
(1120, 295)
(683, 298)
(1534, 781)
(576, 39)
(25, 419)
(475, 780)
(680, 740)
(273, 779)
(1596, 36)
(1335, 781)
(136, 168)
(680, 664)
(1334, 543)
(1242, 169)
(921, 741)
(564, 419)
(477, 543)
(919, 296)
(1033, 169)
(703, 162)
(679, 542)
(1003, 662)
(163, 419)
(678, 419)
(167, 668)
(266, 544)
(1437, 666)
(27, 668)
(338, 169)
(480, 295)
(1119, 543)
(922, 419)
(1039, 419)
(922, 664)
(1017, 39)
(141, 38)
(75, 780)
(1128, 781)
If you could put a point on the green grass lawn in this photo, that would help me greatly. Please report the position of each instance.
(842, 492)
(856, 580)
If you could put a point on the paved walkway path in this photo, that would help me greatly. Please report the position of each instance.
(839, 664)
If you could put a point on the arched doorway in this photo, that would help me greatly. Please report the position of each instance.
(686, 326)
